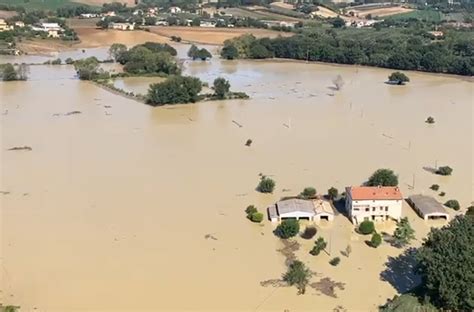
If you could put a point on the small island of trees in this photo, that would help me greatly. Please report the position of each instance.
(398, 78)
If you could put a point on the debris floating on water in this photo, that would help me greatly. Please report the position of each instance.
(210, 236)
(238, 124)
(72, 113)
(249, 142)
(20, 148)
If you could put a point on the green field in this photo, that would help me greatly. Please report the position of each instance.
(37, 4)
(427, 15)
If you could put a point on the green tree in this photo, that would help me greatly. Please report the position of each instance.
(376, 240)
(287, 229)
(398, 78)
(338, 22)
(193, 51)
(116, 50)
(308, 192)
(319, 245)
(229, 52)
(250, 209)
(404, 233)
(453, 204)
(256, 217)
(335, 261)
(333, 193)
(177, 89)
(297, 275)
(89, 69)
(221, 88)
(8, 72)
(366, 227)
(445, 262)
(470, 211)
(259, 51)
(266, 185)
(203, 54)
(69, 61)
(383, 177)
(444, 170)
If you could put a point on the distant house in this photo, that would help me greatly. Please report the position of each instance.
(122, 26)
(89, 15)
(295, 208)
(19, 24)
(207, 24)
(375, 203)
(279, 23)
(4, 26)
(53, 29)
(427, 207)
(110, 13)
(161, 23)
(175, 10)
(436, 33)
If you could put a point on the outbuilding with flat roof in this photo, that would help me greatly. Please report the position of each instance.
(427, 207)
(296, 208)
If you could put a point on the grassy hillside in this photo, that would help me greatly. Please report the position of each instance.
(37, 4)
(427, 15)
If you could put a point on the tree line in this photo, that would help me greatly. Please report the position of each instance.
(389, 48)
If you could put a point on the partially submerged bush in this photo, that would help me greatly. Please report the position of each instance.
(376, 240)
(366, 227)
(430, 120)
(404, 233)
(256, 217)
(333, 193)
(308, 192)
(287, 229)
(309, 232)
(266, 185)
(319, 245)
(434, 187)
(453, 204)
(335, 261)
(383, 177)
(444, 170)
(298, 275)
(398, 78)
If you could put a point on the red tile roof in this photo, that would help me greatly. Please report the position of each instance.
(375, 192)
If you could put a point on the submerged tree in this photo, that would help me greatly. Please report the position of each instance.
(319, 245)
(308, 192)
(229, 52)
(404, 233)
(177, 89)
(383, 177)
(398, 78)
(298, 274)
(266, 185)
(287, 229)
(89, 69)
(116, 50)
(8, 72)
(338, 82)
(221, 87)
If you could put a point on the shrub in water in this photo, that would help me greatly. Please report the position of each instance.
(445, 170)
(308, 192)
(309, 232)
(434, 187)
(376, 240)
(319, 245)
(287, 228)
(452, 203)
(366, 227)
(256, 217)
(335, 261)
(266, 185)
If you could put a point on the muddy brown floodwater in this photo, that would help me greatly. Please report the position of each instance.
(126, 207)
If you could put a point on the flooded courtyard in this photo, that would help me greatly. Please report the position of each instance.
(125, 207)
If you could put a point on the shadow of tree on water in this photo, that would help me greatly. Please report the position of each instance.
(400, 271)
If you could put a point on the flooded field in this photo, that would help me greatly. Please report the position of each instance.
(125, 207)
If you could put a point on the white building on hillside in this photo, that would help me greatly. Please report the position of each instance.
(375, 203)
(175, 10)
(4, 26)
(122, 26)
(53, 29)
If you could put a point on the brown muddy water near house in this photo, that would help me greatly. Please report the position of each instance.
(110, 209)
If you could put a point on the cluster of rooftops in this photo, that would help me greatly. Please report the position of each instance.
(362, 203)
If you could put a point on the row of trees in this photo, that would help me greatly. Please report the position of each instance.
(181, 89)
(390, 48)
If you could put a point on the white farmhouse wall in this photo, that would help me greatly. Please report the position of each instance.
(360, 210)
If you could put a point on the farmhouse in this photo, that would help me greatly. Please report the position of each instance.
(427, 207)
(53, 29)
(175, 10)
(376, 203)
(122, 26)
(295, 208)
(4, 26)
